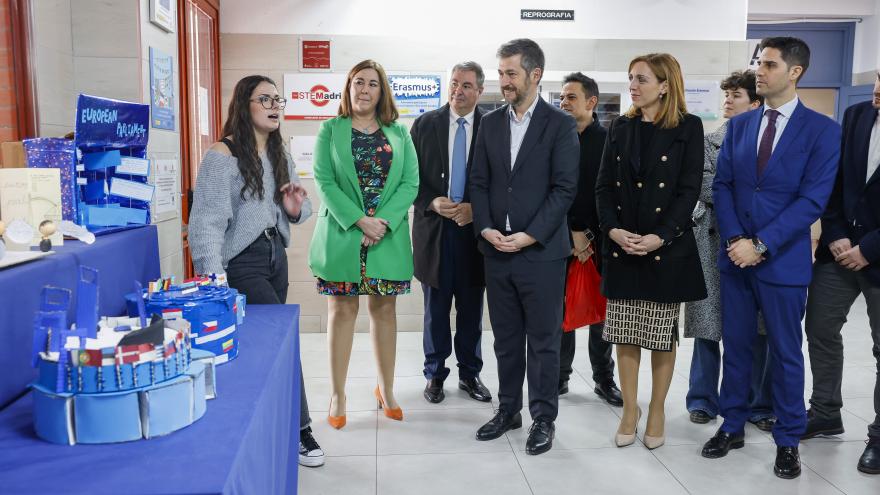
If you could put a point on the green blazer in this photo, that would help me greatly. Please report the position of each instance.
(334, 254)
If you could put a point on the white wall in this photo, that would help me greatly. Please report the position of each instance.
(102, 48)
(467, 21)
(812, 8)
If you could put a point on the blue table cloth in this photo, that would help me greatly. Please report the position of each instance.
(120, 258)
(246, 443)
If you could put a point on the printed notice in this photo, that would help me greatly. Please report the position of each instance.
(167, 195)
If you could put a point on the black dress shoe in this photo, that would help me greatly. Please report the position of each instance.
(765, 424)
(700, 417)
(608, 390)
(788, 463)
(434, 391)
(563, 387)
(818, 426)
(540, 437)
(498, 425)
(721, 443)
(475, 388)
(870, 461)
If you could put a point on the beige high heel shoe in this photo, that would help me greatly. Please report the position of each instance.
(653, 442)
(623, 439)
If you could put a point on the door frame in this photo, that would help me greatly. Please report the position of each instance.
(186, 125)
(27, 124)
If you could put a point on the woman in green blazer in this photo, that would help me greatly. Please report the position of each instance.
(367, 176)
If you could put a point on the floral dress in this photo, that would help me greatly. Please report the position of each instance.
(372, 160)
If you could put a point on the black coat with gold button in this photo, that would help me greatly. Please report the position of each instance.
(655, 195)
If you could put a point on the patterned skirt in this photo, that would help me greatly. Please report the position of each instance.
(647, 324)
(366, 287)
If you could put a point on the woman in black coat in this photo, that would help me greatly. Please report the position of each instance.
(648, 185)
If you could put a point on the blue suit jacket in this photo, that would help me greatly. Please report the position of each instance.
(791, 194)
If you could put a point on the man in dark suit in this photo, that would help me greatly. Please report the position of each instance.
(579, 97)
(775, 173)
(847, 264)
(523, 181)
(444, 249)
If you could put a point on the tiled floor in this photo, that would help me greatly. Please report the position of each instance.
(433, 451)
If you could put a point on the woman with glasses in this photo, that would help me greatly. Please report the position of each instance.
(246, 196)
(367, 176)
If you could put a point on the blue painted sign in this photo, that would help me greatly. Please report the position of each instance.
(108, 123)
(161, 90)
(415, 95)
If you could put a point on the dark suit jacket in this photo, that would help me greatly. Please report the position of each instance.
(583, 215)
(430, 134)
(854, 208)
(537, 192)
(659, 199)
(779, 206)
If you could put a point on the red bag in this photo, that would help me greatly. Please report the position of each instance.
(584, 302)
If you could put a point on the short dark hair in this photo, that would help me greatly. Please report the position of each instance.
(794, 51)
(591, 89)
(744, 80)
(472, 67)
(532, 55)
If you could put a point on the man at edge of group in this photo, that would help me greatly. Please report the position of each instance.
(846, 266)
(775, 173)
(579, 97)
(445, 253)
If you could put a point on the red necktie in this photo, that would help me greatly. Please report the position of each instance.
(765, 149)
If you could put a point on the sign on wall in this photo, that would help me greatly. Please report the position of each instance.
(546, 15)
(314, 54)
(415, 94)
(312, 96)
(161, 90)
(302, 150)
(702, 98)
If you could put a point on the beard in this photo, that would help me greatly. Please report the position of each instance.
(519, 94)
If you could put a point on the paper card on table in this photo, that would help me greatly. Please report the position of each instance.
(102, 160)
(115, 216)
(133, 166)
(96, 190)
(131, 189)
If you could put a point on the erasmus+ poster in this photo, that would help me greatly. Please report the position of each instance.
(161, 90)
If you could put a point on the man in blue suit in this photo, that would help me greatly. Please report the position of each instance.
(847, 264)
(775, 173)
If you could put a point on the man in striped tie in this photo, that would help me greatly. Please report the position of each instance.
(775, 172)
(445, 253)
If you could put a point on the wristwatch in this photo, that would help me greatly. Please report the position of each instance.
(760, 247)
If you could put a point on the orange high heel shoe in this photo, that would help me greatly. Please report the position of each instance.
(335, 421)
(395, 414)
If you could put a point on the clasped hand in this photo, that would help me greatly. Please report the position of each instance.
(847, 255)
(635, 244)
(460, 213)
(508, 243)
(742, 253)
(582, 248)
(374, 229)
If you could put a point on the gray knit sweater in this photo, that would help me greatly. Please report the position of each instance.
(221, 224)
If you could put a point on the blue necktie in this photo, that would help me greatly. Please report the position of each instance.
(459, 162)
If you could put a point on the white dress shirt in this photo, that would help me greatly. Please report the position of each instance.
(469, 131)
(874, 149)
(518, 130)
(782, 119)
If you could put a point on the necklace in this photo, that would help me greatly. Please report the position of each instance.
(363, 128)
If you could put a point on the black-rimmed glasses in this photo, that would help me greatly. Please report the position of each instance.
(268, 102)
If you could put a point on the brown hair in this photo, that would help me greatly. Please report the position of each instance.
(386, 112)
(240, 126)
(744, 80)
(672, 108)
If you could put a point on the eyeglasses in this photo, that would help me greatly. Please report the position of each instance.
(268, 102)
